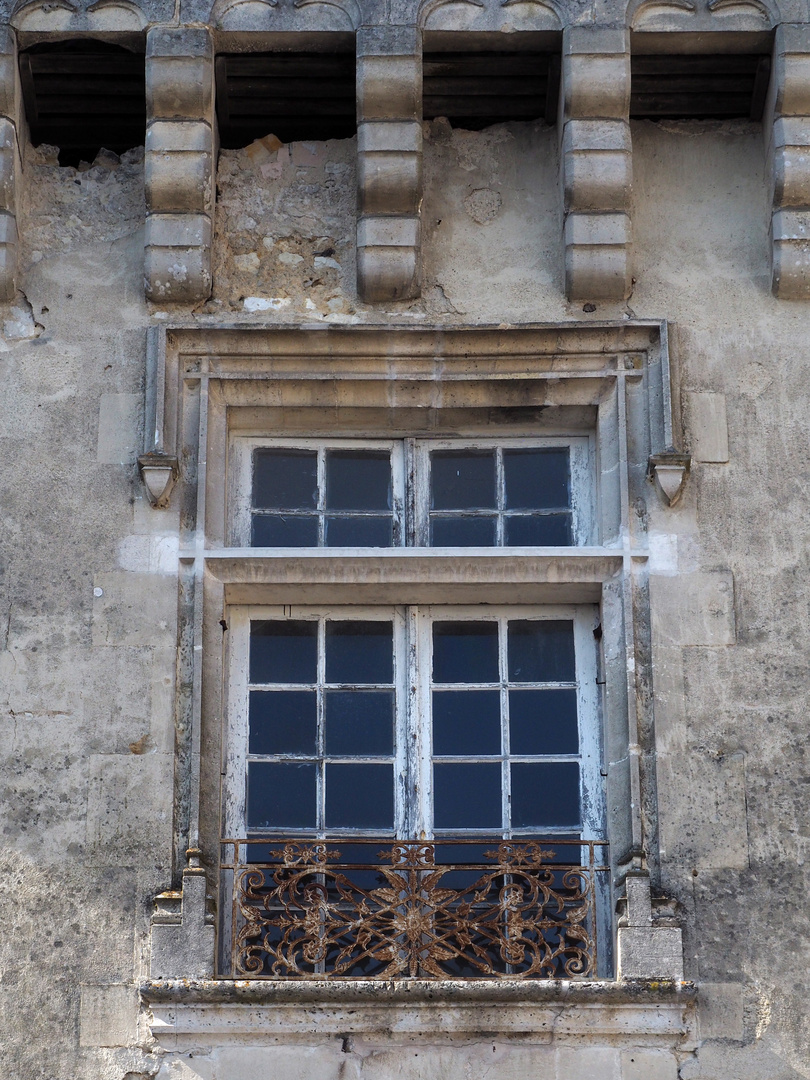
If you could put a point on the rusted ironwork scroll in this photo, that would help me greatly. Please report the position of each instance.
(408, 909)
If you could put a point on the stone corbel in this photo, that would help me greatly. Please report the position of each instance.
(10, 165)
(179, 164)
(159, 472)
(670, 470)
(182, 939)
(596, 162)
(389, 163)
(650, 944)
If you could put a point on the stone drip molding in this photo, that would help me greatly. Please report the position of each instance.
(179, 163)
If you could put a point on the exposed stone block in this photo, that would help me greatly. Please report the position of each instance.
(790, 232)
(177, 166)
(108, 1015)
(708, 426)
(597, 256)
(184, 947)
(179, 72)
(598, 165)
(388, 273)
(178, 257)
(646, 950)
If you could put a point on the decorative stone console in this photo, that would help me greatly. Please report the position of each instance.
(11, 120)
(596, 163)
(179, 163)
(389, 162)
(789, 153)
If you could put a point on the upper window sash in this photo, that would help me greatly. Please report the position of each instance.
(508, 492)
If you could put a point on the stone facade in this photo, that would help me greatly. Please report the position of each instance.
(638, 285)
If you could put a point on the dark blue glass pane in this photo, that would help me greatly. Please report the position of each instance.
(466, 722)
(544, 530)
(359, 652)
(283, 651)
(283, 722)
(285, 479)
(462, 532)
(359, 722)
(358, 480)
(465, 652)
(545, 795)
(543, 722)
(541, 651)
(359, 796)
(277, 530)
(359, 531)
(462, 480)
(536, 479)
(467, 796)
(281, 795)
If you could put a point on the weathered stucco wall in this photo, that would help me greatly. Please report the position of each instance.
(89, 598)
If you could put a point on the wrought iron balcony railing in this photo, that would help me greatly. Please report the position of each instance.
(383, 909)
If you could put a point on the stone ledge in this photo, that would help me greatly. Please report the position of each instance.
(479, 991)
(193, 1013)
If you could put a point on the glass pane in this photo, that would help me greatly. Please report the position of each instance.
(359, 722)
(358, 480)
(275, 530)
(283, 651)
(462, 480)
(466, 722)
(543, 722)
(359, 531)
(283, 722)
(465, 652)
(541, 651)
(359, 796)
(285, 479)
(359, 652)
(462, 532)
(467, 796)
(543, 530)
(281, 795)
(536, 479)
(545, 795)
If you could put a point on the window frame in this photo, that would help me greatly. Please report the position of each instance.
(410, 480)
(413, 757)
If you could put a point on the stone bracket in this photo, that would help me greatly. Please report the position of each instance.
(648, 947)
(596, 161)
(670, 470)
(10, 120)
(789, 155)
(182, 937)
(179, 164)
(389, 163)
(159, 472)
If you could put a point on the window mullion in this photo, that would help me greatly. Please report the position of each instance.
(506, 819)
(321, 496)
(320, 745)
